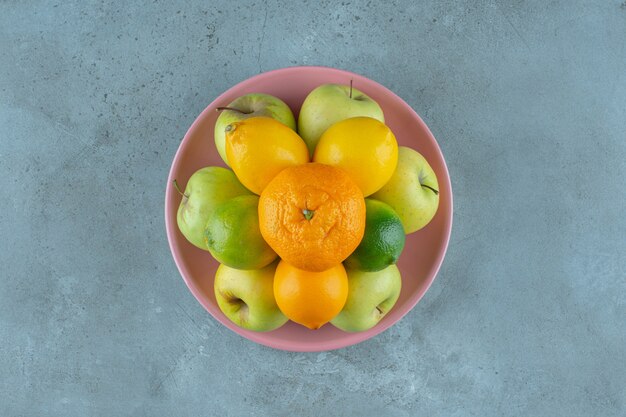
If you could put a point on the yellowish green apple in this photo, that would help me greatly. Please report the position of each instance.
(246, 297)
(371, 296)
(207, 188)
(244, 107)
(329, 104)
(412, 191)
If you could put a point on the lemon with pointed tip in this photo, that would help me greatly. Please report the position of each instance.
(259, 148)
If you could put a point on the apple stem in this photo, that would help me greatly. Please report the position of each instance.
(430, 188)
(350, 88)
(233, 109)
(379, 310)
(178, 189)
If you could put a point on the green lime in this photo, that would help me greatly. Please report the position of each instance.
(233, 237)
(383, 240)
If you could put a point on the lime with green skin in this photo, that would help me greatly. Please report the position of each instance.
(383, 240)
(233, 237)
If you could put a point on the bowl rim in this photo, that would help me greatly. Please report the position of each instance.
(350, 338)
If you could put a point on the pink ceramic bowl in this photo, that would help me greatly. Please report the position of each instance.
(424, 250)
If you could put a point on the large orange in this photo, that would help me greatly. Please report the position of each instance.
(312, 215)
(310, 298)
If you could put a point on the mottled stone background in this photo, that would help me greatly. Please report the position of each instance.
(528, 102)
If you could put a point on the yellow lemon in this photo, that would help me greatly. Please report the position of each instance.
(363, 147)
(259, 148)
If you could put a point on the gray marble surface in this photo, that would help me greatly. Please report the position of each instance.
(527, 316)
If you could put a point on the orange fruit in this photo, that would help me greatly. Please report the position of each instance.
(312, 215)
(259, 148)
(310, 298)
(363, 147)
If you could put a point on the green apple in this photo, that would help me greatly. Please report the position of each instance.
(206, 189)
(250, 105)
(329, 104)
(371, 296)
(246, 297)
(412, 191)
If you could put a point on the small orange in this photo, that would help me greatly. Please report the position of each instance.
(259, 148)
(312, 215)
(310, 298)
(363, 147)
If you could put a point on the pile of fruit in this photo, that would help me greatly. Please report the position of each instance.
(309, 223)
